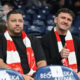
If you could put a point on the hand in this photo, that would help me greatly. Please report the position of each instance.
(65, 52)
(27, 77)
(78, 74)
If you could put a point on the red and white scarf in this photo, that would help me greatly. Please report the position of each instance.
(71, 61)
(13, 58)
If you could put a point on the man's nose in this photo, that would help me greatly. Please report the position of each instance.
(66, 20)
(17, 23)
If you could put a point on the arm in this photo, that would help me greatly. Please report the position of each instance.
(41, 63)
(38, 52)
(78, 74)
(27, 77)
(3, 65)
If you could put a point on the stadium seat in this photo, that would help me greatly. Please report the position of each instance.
(36, 30)
(38, 22)
(45, 7)
(50, 20)
(48, 29)
(77, 21)
(32, 10)
(75, 30)
(50, 16)
(44, 12)
(8, 74)
(39, 17)
(27, 17)
(55, 73)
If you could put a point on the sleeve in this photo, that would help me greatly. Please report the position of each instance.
(77, 50)
(45, 47)
(37, 48)
(78, 54)
(1, 46)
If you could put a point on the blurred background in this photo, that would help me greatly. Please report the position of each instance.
(39, 14)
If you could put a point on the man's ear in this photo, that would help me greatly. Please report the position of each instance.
(6, 23)
(55, 20)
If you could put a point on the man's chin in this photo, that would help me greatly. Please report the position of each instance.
(17, 33)
(64, 29)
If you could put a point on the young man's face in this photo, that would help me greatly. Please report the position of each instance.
(63, 21)
(15, 24)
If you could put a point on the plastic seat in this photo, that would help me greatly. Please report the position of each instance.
(50, 22)
(31, 10)
(27, 17)
(38, 22)
(39, 17)
(8, 74)
(48, 29)
(50, 16)
(77, 21)
(47, 8)
(44, 12)
(55, 73)
(36, 30)
(75, 30)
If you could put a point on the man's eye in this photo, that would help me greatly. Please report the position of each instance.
(13, 20)
(20, 20)
(63, 17)
(69, 20)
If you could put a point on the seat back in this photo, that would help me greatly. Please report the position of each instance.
(55, 73)
(8, 74)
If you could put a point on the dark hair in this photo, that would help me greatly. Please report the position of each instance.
(13, 12)
(66, 10)
(9, 4)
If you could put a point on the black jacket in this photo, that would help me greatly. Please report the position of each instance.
(49, 44)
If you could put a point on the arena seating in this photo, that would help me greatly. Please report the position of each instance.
(8, 74)
(55, 73)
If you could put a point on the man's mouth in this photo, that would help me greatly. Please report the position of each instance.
(64, 24)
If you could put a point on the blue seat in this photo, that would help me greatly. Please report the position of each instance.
(50, 16)
(21, 6)
(38, 22)
(8, 74)
(55, 73)
(27, 17)
(43, 11)
(45, 7)
(39, 17)
(75, 30)
(48, 29)
(32, 10)
(36, 30)
(50, 20)
(77, 21)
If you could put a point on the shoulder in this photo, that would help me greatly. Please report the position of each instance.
(1, 35)
(34, 41)
(76, 38)
(48, 36)
(32, 38)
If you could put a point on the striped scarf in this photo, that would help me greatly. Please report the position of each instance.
(13, 58)
(71, 61)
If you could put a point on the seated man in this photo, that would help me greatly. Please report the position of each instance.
(60, 46)
(18, 50)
